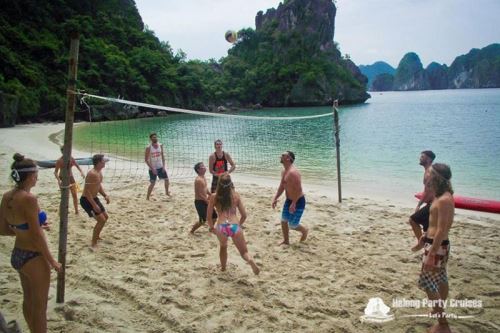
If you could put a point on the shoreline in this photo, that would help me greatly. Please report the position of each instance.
(149, 275)
(46, 138)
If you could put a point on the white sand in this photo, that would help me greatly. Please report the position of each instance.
(150, 276)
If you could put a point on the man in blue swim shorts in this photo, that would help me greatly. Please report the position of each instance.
(295, 203)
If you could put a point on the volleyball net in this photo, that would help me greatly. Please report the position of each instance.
(255, 142)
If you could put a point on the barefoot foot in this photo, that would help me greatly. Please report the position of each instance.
(417, 247)
(255, 268)
(304, 235)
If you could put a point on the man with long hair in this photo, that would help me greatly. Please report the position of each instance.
(295, 203)
(433, 276)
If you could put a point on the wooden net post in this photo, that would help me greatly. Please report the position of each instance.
(337, 145)
(68, 139)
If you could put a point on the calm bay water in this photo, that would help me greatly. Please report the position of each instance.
(381, 141)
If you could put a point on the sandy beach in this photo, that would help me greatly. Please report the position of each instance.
(150, 275)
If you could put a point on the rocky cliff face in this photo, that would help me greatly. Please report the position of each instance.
(309, 25)
(303, 16)
(480, 68)
(383, 82)
(410, 74)
(437, 76)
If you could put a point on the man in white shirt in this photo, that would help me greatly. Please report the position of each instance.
(155, 159)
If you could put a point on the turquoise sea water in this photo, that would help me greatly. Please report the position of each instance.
(381, 141)
(461, 126)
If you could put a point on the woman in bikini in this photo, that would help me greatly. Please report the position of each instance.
(227, 202)
(20, 216)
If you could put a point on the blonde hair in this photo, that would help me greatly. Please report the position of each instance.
(224, 194)
(440, 179)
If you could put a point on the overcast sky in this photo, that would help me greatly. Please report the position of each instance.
(367, 30)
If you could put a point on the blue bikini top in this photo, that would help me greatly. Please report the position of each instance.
(42, 219)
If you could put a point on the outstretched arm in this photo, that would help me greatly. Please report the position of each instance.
(36, 232)
(101, 190)
(242, 210)
(281, 188)
(78, 167)
(146, 159)
(210, 210)
(211, 160)
(230, 160)
(163, 157)
(57, 168)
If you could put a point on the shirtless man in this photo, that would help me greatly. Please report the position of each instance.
(433, 276)
(201, 196)
(421, 215)
(295, 201)
(72, 182)
(217, 162)
(155, 159)
(89, 200)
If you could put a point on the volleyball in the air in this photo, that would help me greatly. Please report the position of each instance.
(231, 36)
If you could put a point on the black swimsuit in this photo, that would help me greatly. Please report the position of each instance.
(20, 257)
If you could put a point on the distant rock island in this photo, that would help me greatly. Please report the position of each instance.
(377, 68)
(293, 54)
(480, 68)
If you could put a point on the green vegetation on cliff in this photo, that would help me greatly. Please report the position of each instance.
(480, 68)
(410, 74)
(120, 56)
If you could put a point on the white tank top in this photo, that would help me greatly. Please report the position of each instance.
(155, 156)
